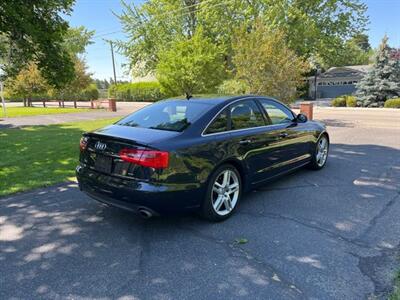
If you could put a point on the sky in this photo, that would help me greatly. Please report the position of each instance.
(99, 15)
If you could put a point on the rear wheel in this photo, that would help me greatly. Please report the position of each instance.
(223, 194)
(320, 154)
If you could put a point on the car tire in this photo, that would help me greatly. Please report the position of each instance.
(320, 153)
(223, 194)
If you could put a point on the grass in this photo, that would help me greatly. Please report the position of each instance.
(39, 156)
(396, 292)
(13, 111)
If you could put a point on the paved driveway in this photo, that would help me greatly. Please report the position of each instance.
(332, 234)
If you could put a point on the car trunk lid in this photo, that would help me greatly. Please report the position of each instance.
(104, 145)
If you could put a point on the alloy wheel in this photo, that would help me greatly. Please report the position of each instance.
(225, 192)
(322, 151)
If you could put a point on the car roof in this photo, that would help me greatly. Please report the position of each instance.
(211, 99)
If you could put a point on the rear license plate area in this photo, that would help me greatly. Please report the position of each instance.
(103, 163)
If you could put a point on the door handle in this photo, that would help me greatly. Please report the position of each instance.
(245, 142)
(283, 135)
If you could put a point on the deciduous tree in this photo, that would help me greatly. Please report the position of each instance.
(82, 79)
(191, 66)
(312, 28)
(27, 84)
(348, 54)
(76, 39)
(362, 41)
(263, 60)
(31, 82)
(34, 31)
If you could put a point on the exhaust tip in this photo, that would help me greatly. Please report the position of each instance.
(145, 214)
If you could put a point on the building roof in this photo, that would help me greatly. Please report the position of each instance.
(344, 72)
(359, 68)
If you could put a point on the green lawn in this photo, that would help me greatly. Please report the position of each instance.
(38, 156)
(396, 293)
(13, 111)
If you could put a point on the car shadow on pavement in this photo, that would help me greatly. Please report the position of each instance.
(325, 234)
(337, 123)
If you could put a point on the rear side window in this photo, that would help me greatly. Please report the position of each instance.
(246, 114)
(172, 115)
(220, 124)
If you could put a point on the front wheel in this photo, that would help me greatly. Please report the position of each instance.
(223, 194)
(320, 154)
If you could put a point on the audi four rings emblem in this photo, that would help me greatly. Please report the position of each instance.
(100, 146)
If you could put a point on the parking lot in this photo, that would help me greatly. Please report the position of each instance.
(331, 234)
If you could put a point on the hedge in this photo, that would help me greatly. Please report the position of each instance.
(393, 103)
(139, 91)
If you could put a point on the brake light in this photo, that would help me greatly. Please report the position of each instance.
(83, 143)
(146, 158)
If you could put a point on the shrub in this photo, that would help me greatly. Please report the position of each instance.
(393, 103)
(232, 87)
(351, 101)
(90, 93)
(339, 102)
(87, 94)
(139, 91)
(19, 98)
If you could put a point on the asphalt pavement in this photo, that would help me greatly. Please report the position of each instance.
(329, 234)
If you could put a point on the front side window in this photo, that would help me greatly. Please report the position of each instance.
(277, 113)
(220, 124)
(166, 115)
(245, 114)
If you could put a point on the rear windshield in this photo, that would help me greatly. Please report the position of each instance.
(166, 115)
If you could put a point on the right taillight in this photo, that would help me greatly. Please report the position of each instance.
(146, 158)
(83, 143)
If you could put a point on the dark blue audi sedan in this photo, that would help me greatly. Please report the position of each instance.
(197, 155)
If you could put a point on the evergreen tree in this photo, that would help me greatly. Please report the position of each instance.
(382, 81)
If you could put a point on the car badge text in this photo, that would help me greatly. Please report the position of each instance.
(100, 146)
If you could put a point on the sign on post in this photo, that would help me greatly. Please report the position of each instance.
(3, 102)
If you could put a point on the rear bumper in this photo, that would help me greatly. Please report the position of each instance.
(132, 195)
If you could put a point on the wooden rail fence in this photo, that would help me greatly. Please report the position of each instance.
(109, 104)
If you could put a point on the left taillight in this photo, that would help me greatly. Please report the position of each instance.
(146, 158)
(83, 143)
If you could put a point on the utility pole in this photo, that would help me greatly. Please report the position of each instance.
(113, 61)
(315, 85)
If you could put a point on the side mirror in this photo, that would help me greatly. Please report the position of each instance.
(301, 118)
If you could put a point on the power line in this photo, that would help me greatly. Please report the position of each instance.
(105, 34)
(171, 12)
(187, 7)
